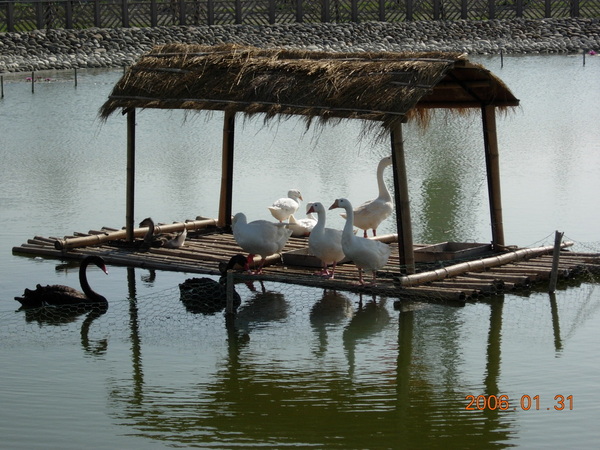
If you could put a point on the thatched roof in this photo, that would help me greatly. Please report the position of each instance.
(381, 86)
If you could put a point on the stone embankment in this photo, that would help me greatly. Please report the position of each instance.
(103, 47)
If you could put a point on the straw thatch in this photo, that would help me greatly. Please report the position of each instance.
(384, 86)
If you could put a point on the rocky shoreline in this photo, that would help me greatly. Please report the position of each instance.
(117, 47)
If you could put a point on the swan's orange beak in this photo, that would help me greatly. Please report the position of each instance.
(104, 269)
(335, 205)
(310, 210)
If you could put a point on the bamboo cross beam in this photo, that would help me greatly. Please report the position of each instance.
(478, 265)
(84, 241)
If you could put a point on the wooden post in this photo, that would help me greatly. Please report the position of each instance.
(238, 12)
(436, 10)
(153, 13)
(32, 82)
(403, 222)
(69, 15)
(225, 203)
(464, 11)
(125, 14)
(210, 12)
(325, 14)
(272, 17)
(491, 9)
(182, 13)
(97, 15)
(490, 142)
(1, 86)
(130, 194)
(555, 258)
(10, 17)
(299, 12)
(354, 11)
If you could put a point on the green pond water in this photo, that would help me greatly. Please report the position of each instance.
(301, 367)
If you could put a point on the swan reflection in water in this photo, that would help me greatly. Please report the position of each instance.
(369, 319)
(331, 309)
(263, 307)
(61, 315)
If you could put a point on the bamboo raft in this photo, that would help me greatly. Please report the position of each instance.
(207, 245)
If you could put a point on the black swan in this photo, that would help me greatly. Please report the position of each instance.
(150, 240)
(207, 296)
(57, 294)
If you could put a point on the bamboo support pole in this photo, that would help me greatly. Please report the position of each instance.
(226, 198)
(66, 244)
(477, 265)
(130, 193)
(490, 141)
(401, 197)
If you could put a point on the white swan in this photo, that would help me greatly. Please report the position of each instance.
(325, 243)
(370, 214)
(284, 207)
(302, 227)
(259, 237)
(365, 253)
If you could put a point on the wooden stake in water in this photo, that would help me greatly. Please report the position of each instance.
(501, 59)
(555, 257)
(75, 76)
(32, 82)
(1, 86)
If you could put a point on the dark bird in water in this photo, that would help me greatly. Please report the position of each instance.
(58, 294)
(207, 296)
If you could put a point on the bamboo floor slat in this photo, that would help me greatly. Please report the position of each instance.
(203, 250)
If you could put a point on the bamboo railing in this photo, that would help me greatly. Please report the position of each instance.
(477, 265)
(96, 239)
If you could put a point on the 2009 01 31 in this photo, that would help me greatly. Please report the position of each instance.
(525, 402)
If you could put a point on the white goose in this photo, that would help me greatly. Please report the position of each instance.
(302, 227)
(177, 241)
(370, 214)
(365, 253)
(259, 237)
(325, 243)
(284, 207)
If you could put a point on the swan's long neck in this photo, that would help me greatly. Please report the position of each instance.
(85, 286)
(150, 233)
(383, 191)
(321, 218)
(348, 230)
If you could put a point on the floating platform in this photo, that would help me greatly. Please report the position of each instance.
(447, 271)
